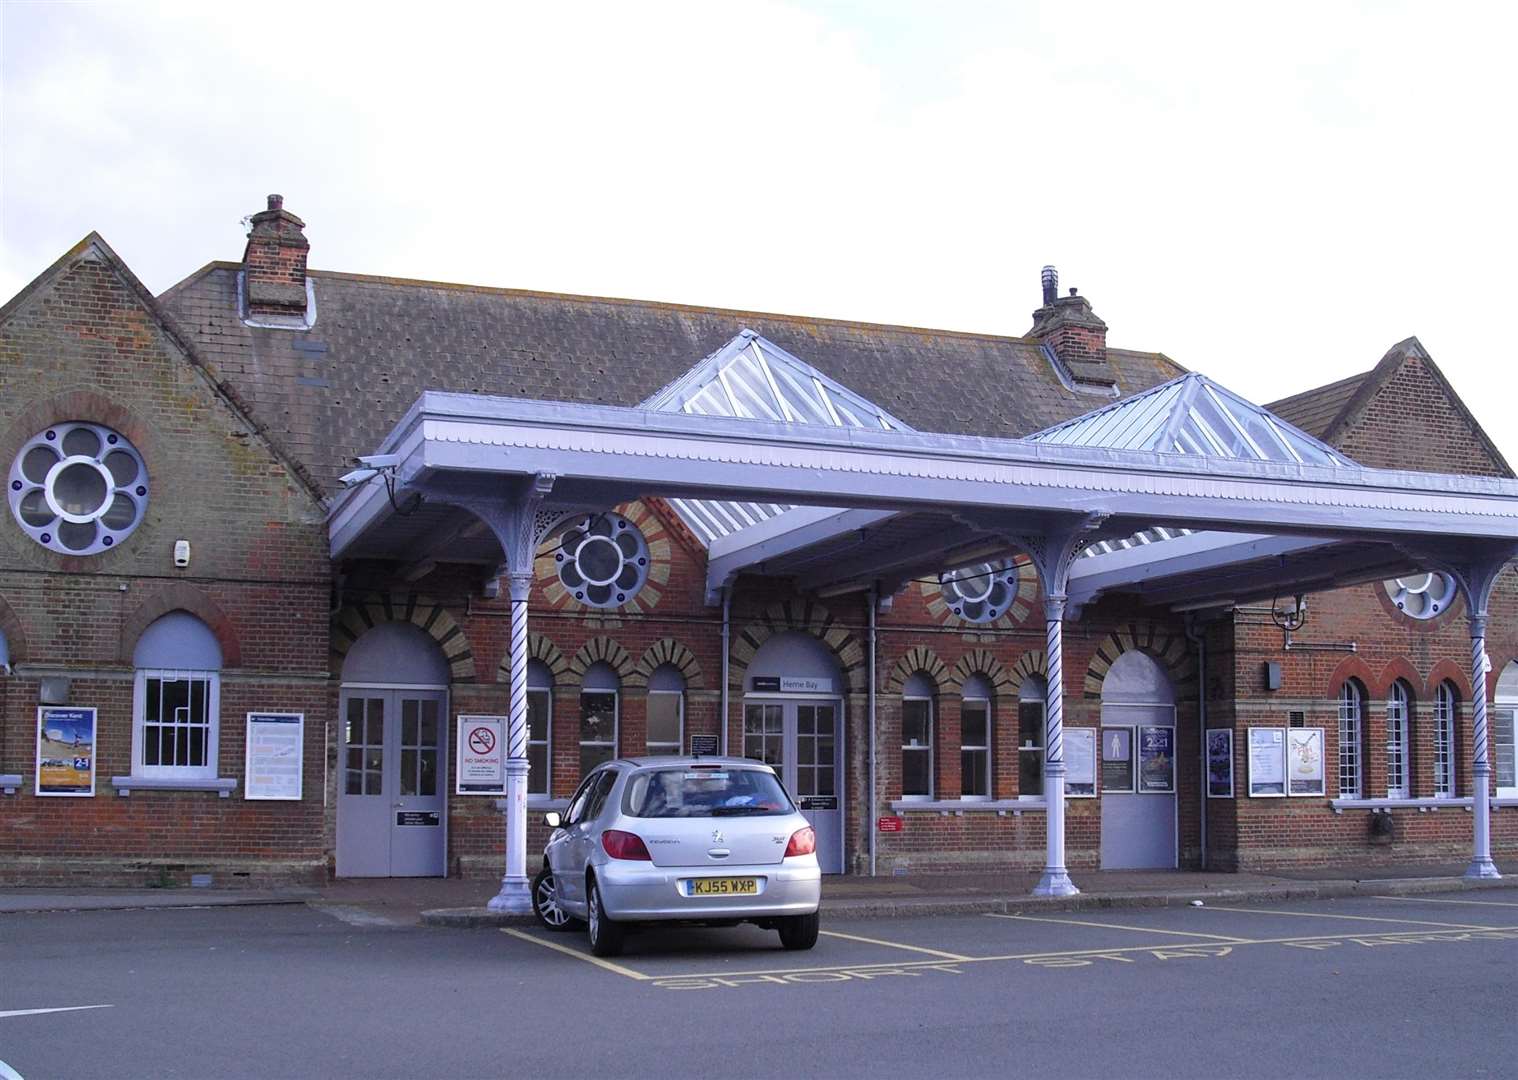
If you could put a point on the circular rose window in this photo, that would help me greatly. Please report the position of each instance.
(1421, 595)
(602, 560)
(78, 488)
(980, 593)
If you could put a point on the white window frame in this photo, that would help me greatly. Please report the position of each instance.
(1504, 717)
(985, 748)
(678, 745)
(1399, 723)
(616, 725)
(1351, 740)
(546, 742)
(140, 722)
(1037, 750)
(931, 733)
(1445, 716)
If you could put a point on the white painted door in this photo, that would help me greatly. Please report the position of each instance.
(391, 803)
(803, 742)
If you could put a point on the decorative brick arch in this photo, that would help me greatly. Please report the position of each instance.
(15, 634)
(353, 621)
(1168, 647)
(180, 596)
(1029, 663)
(1398, 668)
(806, 616)
(671, 652)
(603, 650)
(81, 403)
(542, 650)
(983, 662)
(1351, 667)
(1451, 672)
(920, 660)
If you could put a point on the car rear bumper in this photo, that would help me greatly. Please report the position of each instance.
(638, 890)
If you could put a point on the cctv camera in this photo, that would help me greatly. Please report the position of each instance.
(357, 477)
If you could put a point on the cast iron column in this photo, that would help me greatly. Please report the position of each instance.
(1481, 768)
(514, 895)
(1056, 880)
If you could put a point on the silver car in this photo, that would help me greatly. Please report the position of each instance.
(697, 839)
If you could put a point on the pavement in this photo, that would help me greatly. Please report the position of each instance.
(455, 902)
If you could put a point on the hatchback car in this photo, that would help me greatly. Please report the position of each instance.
(708, 840)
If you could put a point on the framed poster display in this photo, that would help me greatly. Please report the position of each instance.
(1219, 763)
(480, 752)
(1267, 762)
(1304, 761)
(1080, 763)
(1156, 771)
(65, 751)
(274, 757)
(1117, 759)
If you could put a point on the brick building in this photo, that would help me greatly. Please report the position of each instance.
(168, 561)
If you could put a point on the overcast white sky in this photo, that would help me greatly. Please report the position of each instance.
(1270, 194)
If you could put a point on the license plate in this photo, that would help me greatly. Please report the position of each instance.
(724, 886)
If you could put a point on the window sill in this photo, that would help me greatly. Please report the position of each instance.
(1001, 807)
(125, 785)
(10, 783)
(1388, 805)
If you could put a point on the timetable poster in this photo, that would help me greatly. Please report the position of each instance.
(1219, 763)
(1080, 762)
(1267, 762)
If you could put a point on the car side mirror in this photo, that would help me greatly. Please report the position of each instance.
(553, 819)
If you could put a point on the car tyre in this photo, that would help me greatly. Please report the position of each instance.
(545, 903)
(800, 931)
(605, 933)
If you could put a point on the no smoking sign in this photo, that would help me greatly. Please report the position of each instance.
(482, 740)
(481, 765)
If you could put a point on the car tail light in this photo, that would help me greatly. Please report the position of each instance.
(803, 842)
(626, 845)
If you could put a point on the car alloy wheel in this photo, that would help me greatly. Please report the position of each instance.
(545, 902)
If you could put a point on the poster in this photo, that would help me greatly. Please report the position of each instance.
(1219, 763)
(1156, 760)
(1080, 763)
(1267, 762)
(1117, 759)
(65, 751)
(481, 756)
(274, 756)
(1304, 761)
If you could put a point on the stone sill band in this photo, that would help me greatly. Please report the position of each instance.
(10, 783)
(1001, 807)
(1386, 806)
(125, 785)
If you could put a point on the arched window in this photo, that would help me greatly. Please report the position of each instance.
(975, 726)
(917, 708)
(539, 728)
(1505, 708)
(1030, 735)
(1399, 741)
(1351, 725)
(666, 710)
(5, 655)
(1444, 741)
(598, 716)
(176, 699)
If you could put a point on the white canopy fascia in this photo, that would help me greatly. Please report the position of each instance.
(600, 455)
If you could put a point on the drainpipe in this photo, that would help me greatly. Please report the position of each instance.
(870, 816)
(1199, 639)
(727, 611)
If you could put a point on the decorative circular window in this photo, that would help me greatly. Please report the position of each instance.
(981, 593)
(78, 488)
(1421, 595)
(602, 560)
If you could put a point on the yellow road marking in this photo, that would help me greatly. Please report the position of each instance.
(1045, 955)
(894, 945)
(1431, 900)
(1356, 918)
(1119, 926)
(578, 955)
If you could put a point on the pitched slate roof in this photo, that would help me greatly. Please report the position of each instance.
(1314, 411)
(332, 392)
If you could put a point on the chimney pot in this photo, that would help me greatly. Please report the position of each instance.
(276, 202)
(1049, 278)
(1072, 290)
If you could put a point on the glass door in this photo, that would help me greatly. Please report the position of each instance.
(391, 802)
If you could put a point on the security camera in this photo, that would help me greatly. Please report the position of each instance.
(379, 461)
(357, 477)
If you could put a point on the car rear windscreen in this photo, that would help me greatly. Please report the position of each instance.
(705, 792)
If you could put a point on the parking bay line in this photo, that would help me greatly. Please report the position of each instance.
(606, 965)
(1118, 926)
(895, 945)
(1434, 900)
(1357, 918)
(59, 1009)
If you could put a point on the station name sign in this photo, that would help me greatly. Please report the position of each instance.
(791, 684)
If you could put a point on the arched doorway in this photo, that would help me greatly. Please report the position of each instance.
(1138, 766)
(392, 776)
(793, 720)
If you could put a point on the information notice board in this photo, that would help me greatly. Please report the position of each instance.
(1080, 762)
(1267, 762)
(1219, 763)
(275, 757)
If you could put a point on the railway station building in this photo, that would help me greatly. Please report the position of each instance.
(307, 573)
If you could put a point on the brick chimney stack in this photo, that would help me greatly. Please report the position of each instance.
(274, 262)
(1071, 330)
